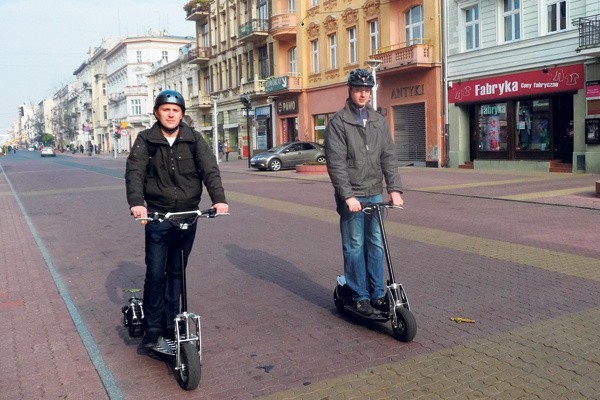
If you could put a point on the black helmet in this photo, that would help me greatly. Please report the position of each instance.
(360, 78)
(169, 97)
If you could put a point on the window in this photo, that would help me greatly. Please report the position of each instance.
(293, 67)
(333, 51)
(492, 127)
(207, 84)
(136, 107)
(190, 87)
(165, 56)
(374, 35)
(471, 27)
(512, 20)
(263, 15)
(314, 3)
(263, 63)
(533, 125)
(413, 20)
(352, 50)
(557, 15)
(250, 66)
(138, 56)
(315, 55)
(105, 112)
(205, 36)
(321, 121)
(291, 6)
(103, 88)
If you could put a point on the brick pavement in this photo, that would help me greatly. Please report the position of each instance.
(42, 353)
(523, 345)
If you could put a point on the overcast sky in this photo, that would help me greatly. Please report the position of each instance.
(43, 41)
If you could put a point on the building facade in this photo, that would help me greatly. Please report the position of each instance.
(516, 85)
(128, 64)
(290, 61)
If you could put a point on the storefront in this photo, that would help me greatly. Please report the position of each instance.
(524, 116)
(409, 100)
(286, 124)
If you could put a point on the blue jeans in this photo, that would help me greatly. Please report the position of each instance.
(162, 286)
(362, 247)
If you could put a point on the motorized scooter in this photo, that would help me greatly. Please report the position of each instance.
(186, 348)
(396, 306)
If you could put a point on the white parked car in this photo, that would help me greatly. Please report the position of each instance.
(48, 152)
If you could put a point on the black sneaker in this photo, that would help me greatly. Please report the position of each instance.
(364, 307)
(150, 339)
(380, 304)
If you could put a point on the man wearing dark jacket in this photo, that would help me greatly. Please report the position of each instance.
(360, 155)
(165, 171)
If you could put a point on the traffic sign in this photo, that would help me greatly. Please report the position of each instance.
(124, 132)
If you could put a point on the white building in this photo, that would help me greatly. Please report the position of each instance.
(516, 79)
(127, 66)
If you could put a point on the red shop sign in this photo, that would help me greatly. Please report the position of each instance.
(559, 79)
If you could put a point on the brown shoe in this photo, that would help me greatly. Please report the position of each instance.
(380, 304)
(364, 307)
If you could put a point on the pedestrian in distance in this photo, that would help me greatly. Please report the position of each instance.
(227, 149)
(165, 171)
(221, 151)
(360, 156)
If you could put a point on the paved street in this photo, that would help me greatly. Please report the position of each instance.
(518, 253)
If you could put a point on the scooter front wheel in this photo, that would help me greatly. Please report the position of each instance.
(404, 324)
(190, 369)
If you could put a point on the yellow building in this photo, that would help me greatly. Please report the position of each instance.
(291, 60)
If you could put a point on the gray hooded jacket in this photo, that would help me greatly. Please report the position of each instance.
(360, 158)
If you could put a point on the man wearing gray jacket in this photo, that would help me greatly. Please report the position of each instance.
(360, 155)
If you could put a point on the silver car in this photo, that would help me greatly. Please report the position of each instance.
(289, 155)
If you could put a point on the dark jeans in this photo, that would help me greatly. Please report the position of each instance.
(362, 246)
(162, 286)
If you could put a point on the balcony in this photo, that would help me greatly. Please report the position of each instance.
(199, 55)
(286, 83)
(198, 13)
(402, 57)
(205, 102)
(589, 35)
(254, 31)
(254, 87)
(283, 26)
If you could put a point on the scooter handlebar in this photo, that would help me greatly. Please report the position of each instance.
(373, 206)
(179, 215)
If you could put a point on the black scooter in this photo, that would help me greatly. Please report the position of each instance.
(396, 304)
(187, 346)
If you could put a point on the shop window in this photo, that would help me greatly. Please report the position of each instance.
(532, 132)
(492, 133)
(321, 121)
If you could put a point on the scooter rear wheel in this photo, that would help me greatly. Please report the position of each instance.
(338, 301)
(190, 369)
(404, 325)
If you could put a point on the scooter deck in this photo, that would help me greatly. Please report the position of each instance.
(166, 347)
(379, 317)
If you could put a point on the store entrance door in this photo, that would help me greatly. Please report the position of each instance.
(563, 129)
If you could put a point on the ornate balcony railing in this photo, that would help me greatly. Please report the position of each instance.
(400, 55)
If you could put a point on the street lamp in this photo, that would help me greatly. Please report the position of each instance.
(374, 64)
(247, 102)
(215, 139)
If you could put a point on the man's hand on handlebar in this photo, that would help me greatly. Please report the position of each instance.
(140, 212)
(396, 199)
(221, 208)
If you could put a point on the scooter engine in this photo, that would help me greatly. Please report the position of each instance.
(133, 317)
